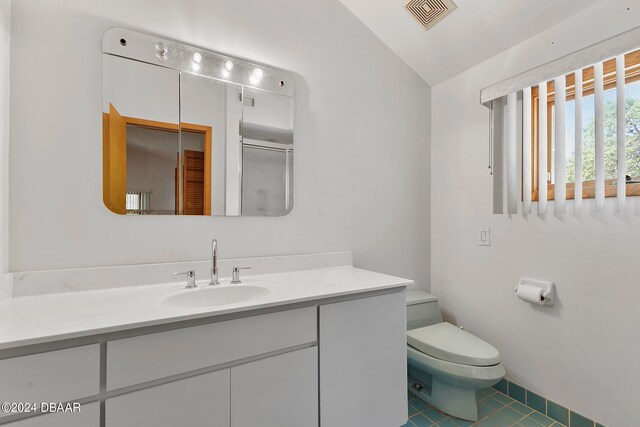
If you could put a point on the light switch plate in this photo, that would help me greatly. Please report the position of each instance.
(484, 237)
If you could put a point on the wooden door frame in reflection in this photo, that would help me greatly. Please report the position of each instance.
(206, 131)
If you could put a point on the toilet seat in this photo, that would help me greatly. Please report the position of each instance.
(455, 373)
(449, 343)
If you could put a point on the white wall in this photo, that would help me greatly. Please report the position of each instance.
(362, 137)
(583, 352)
(5, 31)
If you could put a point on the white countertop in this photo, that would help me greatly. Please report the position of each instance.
(38, 319)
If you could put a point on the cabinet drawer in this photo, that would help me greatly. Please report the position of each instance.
(89, 416)
(145, 358)
(56, 376)
(192, 402)
(277, 391)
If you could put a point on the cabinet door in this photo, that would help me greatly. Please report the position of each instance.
(89, 416)
(55, 376)
(363, 362)
(279, 391)
(192, 402)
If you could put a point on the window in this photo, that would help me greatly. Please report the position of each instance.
(138, 202)
(632, 98)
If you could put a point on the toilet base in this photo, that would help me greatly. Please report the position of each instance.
(454, 400)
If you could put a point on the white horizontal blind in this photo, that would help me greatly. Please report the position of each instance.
(507, 140)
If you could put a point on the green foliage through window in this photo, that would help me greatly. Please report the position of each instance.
(632, 127)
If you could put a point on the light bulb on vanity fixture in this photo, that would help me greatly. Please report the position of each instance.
(228, 66)
(257, 75)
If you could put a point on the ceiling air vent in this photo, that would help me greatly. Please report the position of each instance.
(430, 12)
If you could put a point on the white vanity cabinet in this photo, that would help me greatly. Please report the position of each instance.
(266, 365)
(278, 391)
(328, 364)
(363, 362)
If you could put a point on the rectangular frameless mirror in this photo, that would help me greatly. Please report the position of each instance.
(192, 132)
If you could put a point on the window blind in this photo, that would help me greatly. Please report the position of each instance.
(577, 139)
(609, 48)
(513, 190)
(542, 148)
(621, 131)
(526, 151)
(598, 101)
(544, 130)
(560, 188)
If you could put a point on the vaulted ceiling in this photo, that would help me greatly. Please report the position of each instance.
(474, 32)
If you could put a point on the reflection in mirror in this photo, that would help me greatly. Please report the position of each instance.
(267, 153)
(215, 107)
(151, 163)
(141, 139)
(185, 137)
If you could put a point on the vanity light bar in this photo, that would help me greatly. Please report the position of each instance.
(179, 56)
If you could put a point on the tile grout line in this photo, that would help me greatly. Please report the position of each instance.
(536, 411)
(569, 411)
(492, 393)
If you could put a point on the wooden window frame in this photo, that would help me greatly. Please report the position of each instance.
(632, 75)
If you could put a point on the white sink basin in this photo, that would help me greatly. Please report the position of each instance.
(215, 296)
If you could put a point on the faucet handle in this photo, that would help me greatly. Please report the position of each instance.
(191, 278)
(235, 278)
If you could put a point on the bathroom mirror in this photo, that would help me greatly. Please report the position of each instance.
(192, 132)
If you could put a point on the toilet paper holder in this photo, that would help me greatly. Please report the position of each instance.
(546, 291)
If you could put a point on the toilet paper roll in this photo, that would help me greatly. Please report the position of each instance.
(532, 294)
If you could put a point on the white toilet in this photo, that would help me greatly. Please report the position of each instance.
(446, 364)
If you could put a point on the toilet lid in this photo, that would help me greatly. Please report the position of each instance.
(448, 342)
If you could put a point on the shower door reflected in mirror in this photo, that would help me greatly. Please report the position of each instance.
(267, 153)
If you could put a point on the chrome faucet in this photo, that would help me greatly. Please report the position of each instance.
(235, 278)
(191, 279)
(214, 263)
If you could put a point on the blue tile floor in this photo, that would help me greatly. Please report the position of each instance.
(494, 410)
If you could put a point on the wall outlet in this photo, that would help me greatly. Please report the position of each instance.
(484, 236)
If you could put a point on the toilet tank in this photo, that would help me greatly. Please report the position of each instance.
(422, 310)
